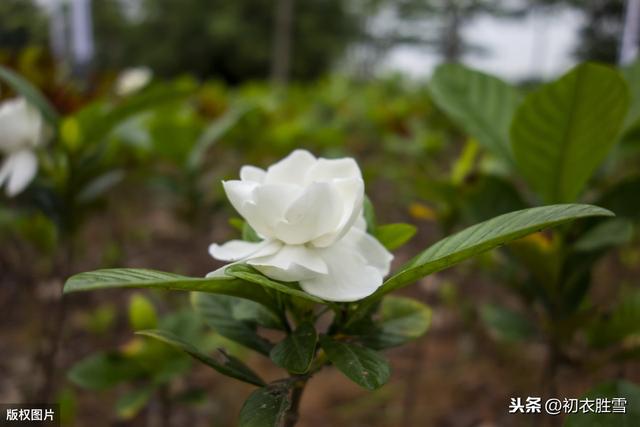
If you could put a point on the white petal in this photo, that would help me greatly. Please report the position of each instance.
(292, 169)
(330, 169)
(270, 202)
(291, 263)
(20, 124)
(352, 194)
(252, 173)
(375, 254)
(18, 170)
(316, 212)
(235, 250)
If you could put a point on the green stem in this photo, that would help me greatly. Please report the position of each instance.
(293, 413)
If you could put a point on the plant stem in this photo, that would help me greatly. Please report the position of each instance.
(292, 415)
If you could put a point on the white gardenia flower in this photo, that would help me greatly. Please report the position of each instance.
(308, 211)
(132, 80)
(21, 131)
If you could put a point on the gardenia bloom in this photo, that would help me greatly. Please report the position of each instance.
(132, 80)
(21, 131)
(308, 212)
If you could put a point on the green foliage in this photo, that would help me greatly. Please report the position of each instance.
(296, 351)
(130, 403)
(103, 370)
(612, 389)
(622, 322)
(265, 407)
(564, 130)
(481, 104)
(223, 362)
(393, 236)
(612, 232)
(31, 94)
(142, 314)
(362, 365)
(506, 324)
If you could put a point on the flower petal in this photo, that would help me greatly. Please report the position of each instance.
(291, 263)
(21, 125)
(18, 170)
(252, 173)
(235, 250)
(331, 169)
(351, 192)
(291, 169)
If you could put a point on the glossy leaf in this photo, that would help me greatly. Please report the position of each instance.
(113, 278)
(222, 362)
(400, 320)
(481, 238)
(220, 312)
(265, 407)
(362, 365)
(481, 104)
(296, 351)
(392, 236)
(610, 390)
(31, 94)
(564, 130)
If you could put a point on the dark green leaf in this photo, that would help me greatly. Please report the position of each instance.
(143, 278)
(622, 322)
(219, 312)
(296, 351)
(610, 390)
(481, 104)
(392, 236)
(564, 130)
(362, 365)
(104, 370)
(31, 94)
(223, 363)
(506, 324)
(265, 407)
(612, 232)
(622, 198)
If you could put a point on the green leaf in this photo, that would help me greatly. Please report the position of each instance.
(622, 322)
(130, 403)
(489, 196)
(481, 104)
(265, 407)
(296, 351)
(362, 365)
(612, 389)
(564, 130)
(223, 363)
(608, 233)
(631, 74)
(250, 274)
(505, 324)
(369, 213)
(219, 312)
(98, 186)
(142, 314)
(31, 94)
(392, 236)
(104, 370)
(622, 198)
(113, 278)
(483, 237)
(401, 320)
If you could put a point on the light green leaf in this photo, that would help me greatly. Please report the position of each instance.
(223, 363)
(31, 94)
(401, 320)
(564, 130)
(250, 274)
(610, 390)
(483, 237)
(296, 351)
(104, 370)
(506, 324)
(219, 312)
(142, 314)
(608, 233)
(362, 365)
(481, 104)
(265, 407)
(130, 403)
(143, 278)
(392, 236)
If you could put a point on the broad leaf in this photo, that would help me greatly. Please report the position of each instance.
(362, 365)
(622, 322)
(104, 370)
(506, 324)
(220, 312)
(564, 130)
(31, 94)
(392, 236)
(130, 403)
(296, 351)
(483, 237)
(223, 363)
(249, 274)
(401, 320)
(612, 232)
(143, 278)
(481, 104)
(611, 390)
(265, 407)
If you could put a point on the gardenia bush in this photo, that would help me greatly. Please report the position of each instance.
(307, 252)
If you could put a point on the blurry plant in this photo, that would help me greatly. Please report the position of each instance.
(547, 146)
(311, 251)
